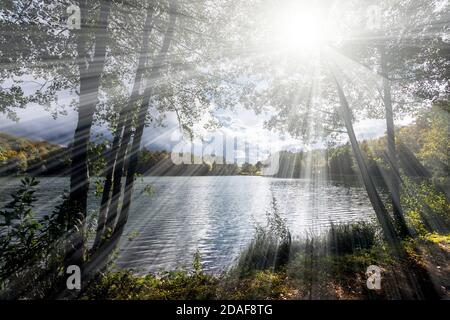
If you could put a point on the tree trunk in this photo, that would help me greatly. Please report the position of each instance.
(377, 204)
(106, 195)
(109, 205)
(141, 116)
(90, 76)
(117, 178)
(394, 182)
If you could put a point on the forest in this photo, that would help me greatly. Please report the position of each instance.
(224, 149)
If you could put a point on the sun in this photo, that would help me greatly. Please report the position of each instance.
(301, 28)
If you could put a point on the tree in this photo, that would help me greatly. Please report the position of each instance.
(155, 73)
(407, 42)
(118, 148)
(174, 83)
(177, 80)
(90, 76)
(380, 210)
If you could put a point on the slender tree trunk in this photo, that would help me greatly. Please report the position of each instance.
(106, 195)
(109, 205)
(118, 175)
(377, 204)
(394, 183)
(141, 116)
(90, 75)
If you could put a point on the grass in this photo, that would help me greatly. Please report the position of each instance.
(271, 246)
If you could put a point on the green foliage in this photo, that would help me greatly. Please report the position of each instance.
(132, 235)
(97, 159)
(175, 285)
(340, 161)
(27, 243)
(197, 262)
(171, 285)
(258, 285)
(149, 190)
(429, 139)
(426, 208)
(438, 238)
(3, 154)
(181, 284)
(19, 210)
(99, 187)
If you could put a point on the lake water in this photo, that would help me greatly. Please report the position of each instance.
(215, 215)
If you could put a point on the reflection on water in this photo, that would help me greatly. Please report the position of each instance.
(216, 215)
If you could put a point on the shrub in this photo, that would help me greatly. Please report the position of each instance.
(169, 285)
(28, 246)
(427, 210)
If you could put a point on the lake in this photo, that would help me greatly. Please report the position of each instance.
(215, 215)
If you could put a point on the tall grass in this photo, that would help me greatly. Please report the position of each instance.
(347, 238)
(270, 247)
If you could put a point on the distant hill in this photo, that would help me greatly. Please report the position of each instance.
(25, 156)
(21, 155)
